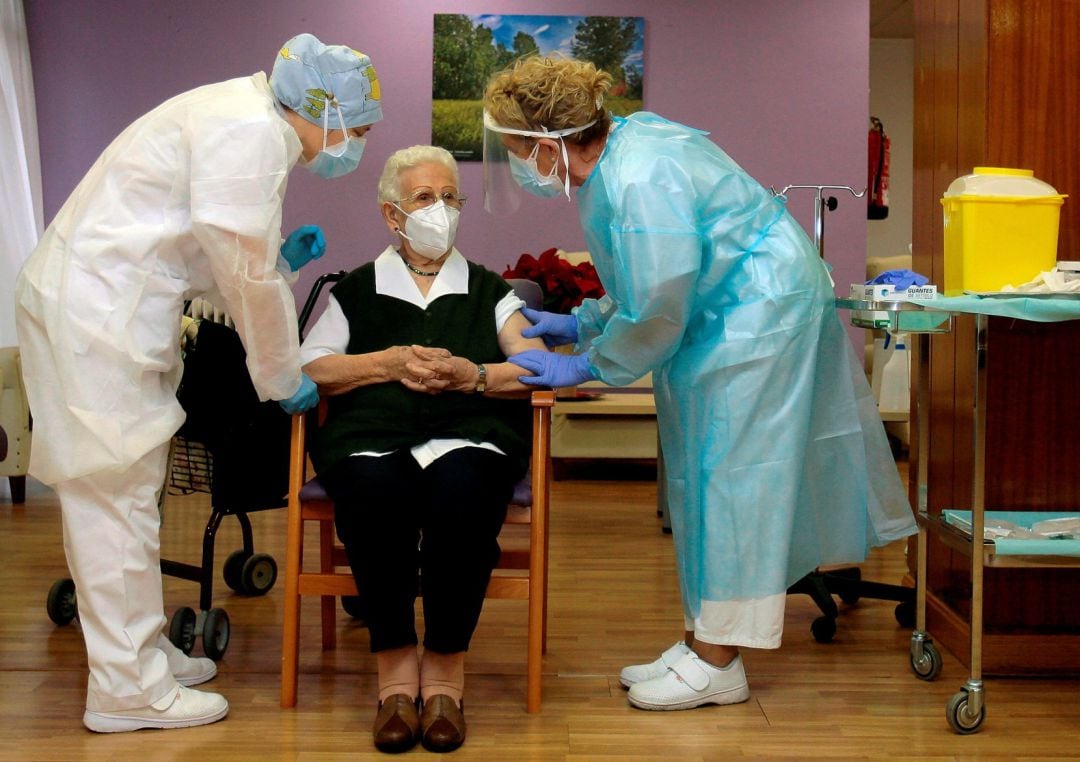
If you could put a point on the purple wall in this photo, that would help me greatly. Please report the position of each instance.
(781, 85)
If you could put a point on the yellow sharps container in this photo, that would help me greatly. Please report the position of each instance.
(1001, 228)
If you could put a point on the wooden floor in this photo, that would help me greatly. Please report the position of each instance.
(613, 602)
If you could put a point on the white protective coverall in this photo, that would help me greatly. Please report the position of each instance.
(186, 201)
(775, 457)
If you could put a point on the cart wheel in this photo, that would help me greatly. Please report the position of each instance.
(215, 635)
(61, 603)
(259, 574)
(929, 666)
(956, 712)
(823, 629)
(182, 629)
(851, 597)
(353, 607)
(234, 568)
(905, 613)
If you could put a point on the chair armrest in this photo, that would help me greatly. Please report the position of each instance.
(543, 398)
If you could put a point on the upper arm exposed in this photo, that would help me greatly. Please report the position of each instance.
(510, 339)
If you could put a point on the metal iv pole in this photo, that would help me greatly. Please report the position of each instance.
(822, 204)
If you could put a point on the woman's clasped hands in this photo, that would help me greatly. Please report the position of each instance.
(431, 370)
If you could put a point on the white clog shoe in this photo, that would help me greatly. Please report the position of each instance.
(182, 708)
(691, 682)
(187, 670)
(639, 673)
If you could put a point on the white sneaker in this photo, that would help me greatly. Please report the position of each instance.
(639, 673)
(193, 671)
(692, 682)
(183, 708)
(187, 670)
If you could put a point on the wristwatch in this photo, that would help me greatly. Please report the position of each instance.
(481, 378)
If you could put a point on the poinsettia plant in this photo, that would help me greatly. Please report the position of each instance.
(564, 285)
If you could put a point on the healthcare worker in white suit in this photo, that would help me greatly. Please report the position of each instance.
(185, 202)
(775, 458)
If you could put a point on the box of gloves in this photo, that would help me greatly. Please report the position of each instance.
(884, 292)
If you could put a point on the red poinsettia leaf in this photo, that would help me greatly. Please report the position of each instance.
(564, 285)
(527, 267)
(550, 261)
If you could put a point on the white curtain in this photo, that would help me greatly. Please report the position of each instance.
(20, 178)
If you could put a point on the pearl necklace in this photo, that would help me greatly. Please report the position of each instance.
(418, 271)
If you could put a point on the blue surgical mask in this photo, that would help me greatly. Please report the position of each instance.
(339, 159)
(531, 179)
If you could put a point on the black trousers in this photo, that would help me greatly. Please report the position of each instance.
(399, 522)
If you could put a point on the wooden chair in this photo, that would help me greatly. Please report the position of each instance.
(521, 574)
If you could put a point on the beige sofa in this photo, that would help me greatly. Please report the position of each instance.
(14, 424)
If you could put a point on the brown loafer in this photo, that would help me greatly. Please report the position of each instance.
(397, 724)
(442, 724)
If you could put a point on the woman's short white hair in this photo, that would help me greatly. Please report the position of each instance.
(407, 158)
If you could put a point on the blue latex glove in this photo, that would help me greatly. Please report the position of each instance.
(555, 329)
(303, 245)
(306, 397)
(552, 369)
(901, 280)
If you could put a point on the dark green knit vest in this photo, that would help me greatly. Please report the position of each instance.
(387, 416)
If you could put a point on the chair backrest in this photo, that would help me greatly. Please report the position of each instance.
(528, 291)
(313, 297)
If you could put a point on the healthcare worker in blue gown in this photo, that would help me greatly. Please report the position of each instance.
(185, 202)
(776, 459)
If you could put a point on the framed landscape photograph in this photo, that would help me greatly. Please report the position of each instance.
(469, 48)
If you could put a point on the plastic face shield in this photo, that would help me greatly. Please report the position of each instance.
(502, 190)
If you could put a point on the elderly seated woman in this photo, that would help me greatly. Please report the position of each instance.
(417, 451)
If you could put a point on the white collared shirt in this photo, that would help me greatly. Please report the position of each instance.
(330, 334)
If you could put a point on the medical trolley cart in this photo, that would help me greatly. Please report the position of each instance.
(966, 709)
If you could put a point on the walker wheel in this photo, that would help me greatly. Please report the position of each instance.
(956, 712)
(215, 633)
(258, 574)
(823, 628)
(234, 568)
(182, 629)
(61, 604)
(929, 666)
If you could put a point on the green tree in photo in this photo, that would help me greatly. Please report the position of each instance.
(524, 45)
(453, 50)
(604, 41)
(486, 59)
(466, 55)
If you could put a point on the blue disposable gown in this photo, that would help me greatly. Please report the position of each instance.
(775, 456)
